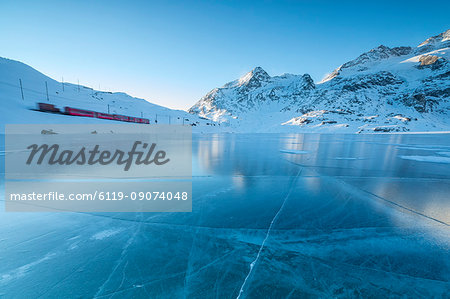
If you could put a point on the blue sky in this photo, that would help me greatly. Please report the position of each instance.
(173, 52)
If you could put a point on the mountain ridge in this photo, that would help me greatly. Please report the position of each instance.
(22, 87)
(385, 89)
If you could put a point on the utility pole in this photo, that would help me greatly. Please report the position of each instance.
(62, 83)
(46, 89)
(21, 89)
(78, 85)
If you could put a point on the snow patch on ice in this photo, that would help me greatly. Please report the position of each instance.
(294, 152)
(105, 234)
(348, 158)
(432, 159)
(23, 270)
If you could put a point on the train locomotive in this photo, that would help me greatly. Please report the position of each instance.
(50, 108)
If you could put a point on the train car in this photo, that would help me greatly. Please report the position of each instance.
(138, 120)
(79, 112)
(105, 115)
(144, 120)
(141, 120)
(45, 107)
(120, 117)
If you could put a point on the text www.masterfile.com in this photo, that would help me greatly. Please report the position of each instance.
(99, 195)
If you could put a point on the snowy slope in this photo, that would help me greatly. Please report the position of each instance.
(14, 109)
(397, 89)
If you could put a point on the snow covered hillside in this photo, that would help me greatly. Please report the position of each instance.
(15, 109)
(401, 89)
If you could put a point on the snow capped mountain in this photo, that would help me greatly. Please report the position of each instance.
(250, 91)
(383, 90)
(17, 108)
(386, 89)
(374, 55)
(434, 40)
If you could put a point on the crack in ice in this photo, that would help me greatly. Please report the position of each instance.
(189, 266)
(252, 264)
(398, 205)
(120, 260)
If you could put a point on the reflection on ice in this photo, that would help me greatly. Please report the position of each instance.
(348, 217)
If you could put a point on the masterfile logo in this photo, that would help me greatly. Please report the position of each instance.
(52, 154)
(98, 168)
(98, 151)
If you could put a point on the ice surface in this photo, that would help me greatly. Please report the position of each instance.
(267, 222)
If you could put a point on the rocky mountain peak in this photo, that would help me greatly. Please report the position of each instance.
(254, 77)
(378, 53)
(375, 55)
(442, 37)
(309, 82)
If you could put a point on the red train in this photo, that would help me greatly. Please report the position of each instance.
(44, 107)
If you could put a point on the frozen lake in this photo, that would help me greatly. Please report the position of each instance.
(281, 216)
